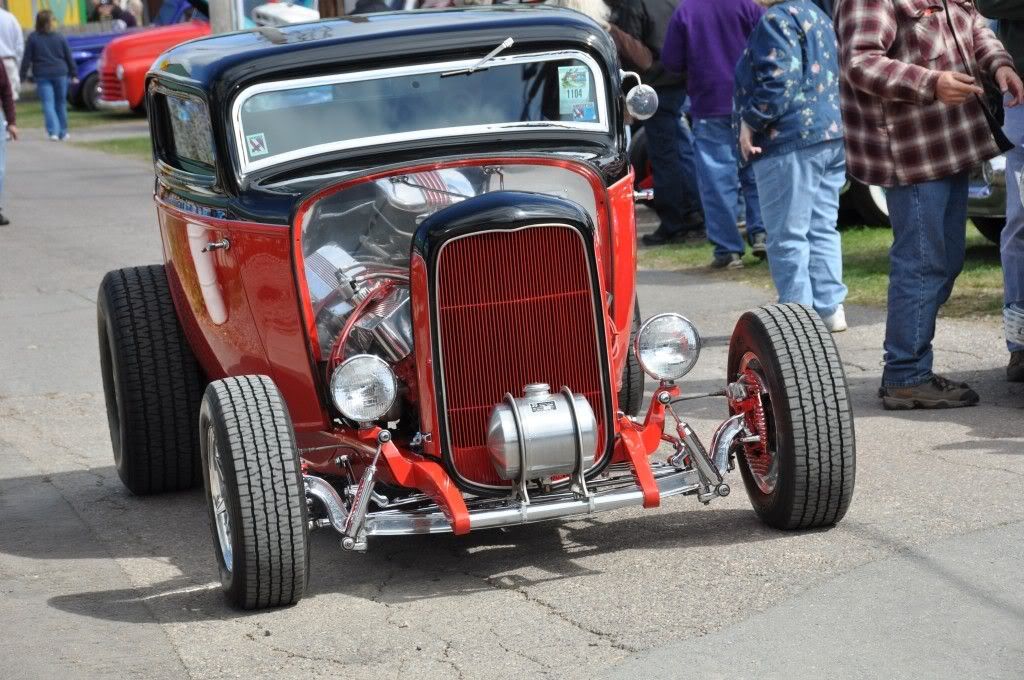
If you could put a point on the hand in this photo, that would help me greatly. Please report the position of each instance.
(747, 148)
(954, 88)
(12, 131)
(1009, 83)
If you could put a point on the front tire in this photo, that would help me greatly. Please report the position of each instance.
(806, 476)
(89, 92)
(631, 394)
(151, 381)
(990, 227)
(254, 492)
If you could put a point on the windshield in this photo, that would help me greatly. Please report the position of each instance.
(281, 121)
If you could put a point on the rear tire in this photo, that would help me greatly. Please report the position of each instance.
(151, 381)
(808, 415)
(990, 227)
(631, 394)
(88, 92)
(254, 487)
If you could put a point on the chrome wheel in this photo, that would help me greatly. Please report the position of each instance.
(762, 456)
(218, 497)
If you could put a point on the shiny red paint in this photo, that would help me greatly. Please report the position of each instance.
(491, 287)
(419, 291)
(623, 242)
(242, 302)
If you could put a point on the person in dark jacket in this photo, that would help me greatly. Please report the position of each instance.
(791, 130)
(705, 39)
(106, 10)
(48, 55)
(1010, 14)
(669, 140)
(7, 102)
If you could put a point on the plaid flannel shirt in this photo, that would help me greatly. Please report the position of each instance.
(891, 53)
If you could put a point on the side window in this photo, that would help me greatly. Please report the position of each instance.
(191, 138)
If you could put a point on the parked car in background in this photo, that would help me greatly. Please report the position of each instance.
(122, 67)
(87, 48)
(398, 297)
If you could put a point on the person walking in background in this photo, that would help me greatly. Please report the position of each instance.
(915, 123)
(791, 131)
(48, 56)
(669, 139)
(1010, 14)
(7, 104)
(705, 39)
(12, 47)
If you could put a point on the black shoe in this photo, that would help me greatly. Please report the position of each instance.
(938, 392)
(661, 236)
(4, 221)
(1015, 369)
(693, 221)
(759, 245)
(727, 261)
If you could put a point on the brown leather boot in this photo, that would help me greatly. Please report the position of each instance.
(1015, 369)
(938, 392)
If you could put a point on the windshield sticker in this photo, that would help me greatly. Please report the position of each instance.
(584, 112)
(573, 90)
(257, 144)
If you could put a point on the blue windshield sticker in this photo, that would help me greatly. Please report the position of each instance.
(257, 145)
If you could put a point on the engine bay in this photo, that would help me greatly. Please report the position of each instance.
(356, 247)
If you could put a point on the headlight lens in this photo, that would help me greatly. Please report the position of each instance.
(667, 346)
(364, 388)
(119, 71)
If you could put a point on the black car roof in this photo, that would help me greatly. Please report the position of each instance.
(219, 63)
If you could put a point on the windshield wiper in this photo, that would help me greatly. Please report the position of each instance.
(505, 44)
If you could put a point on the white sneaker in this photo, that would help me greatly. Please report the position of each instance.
(54, 138)
(836, 322)
(66, 137)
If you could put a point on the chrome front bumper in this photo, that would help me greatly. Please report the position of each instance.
(490, 514)
(116, 105)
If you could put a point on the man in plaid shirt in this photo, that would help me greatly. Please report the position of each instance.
(915, 124)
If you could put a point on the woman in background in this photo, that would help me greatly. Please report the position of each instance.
(791, 130)
(48, 55)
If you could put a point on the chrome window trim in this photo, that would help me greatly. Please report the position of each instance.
(246, 166)
(435, 322)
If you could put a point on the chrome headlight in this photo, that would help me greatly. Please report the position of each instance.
(364, 388)
(119, 71)
(667, 346)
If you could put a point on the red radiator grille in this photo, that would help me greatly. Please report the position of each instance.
(112, 89)
(513, 308)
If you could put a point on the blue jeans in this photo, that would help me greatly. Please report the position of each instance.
(928, 226)
(1012, 244)
(720, 179)
(799, 194)
(53, 95)
(670, 149)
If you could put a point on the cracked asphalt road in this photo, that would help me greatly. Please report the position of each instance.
(922, 579)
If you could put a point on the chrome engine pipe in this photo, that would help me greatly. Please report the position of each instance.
(723, 439)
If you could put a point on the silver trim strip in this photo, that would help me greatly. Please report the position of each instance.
(609, 429)
(246, 166)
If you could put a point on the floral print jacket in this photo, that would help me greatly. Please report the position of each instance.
(787, 81)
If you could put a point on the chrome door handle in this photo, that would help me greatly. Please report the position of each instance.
(643, 195)
(222, 244)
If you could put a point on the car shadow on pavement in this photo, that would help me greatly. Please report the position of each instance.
(170, 534)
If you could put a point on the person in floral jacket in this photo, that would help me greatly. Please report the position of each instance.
(910, 85)
(791, 130)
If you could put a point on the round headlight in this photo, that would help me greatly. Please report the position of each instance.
(119, 71)
(667, 346)
(364, 388)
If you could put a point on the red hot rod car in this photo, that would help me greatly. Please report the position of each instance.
(398, 297)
